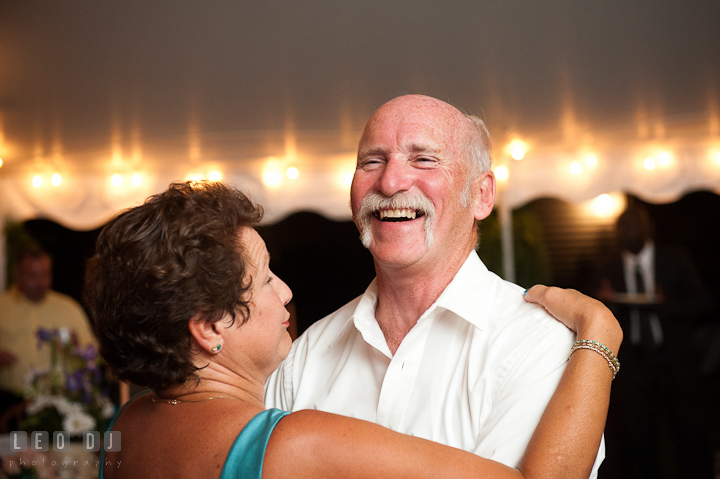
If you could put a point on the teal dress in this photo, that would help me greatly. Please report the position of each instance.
(245, 459)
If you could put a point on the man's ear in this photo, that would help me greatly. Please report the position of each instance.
(483, 195)
(207, 334)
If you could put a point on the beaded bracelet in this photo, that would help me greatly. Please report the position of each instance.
(600, 349)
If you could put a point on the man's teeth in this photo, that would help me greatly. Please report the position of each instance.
(401, 213)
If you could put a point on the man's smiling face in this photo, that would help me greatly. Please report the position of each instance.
(410, 193)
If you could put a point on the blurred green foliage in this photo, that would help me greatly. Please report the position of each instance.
(532, 261)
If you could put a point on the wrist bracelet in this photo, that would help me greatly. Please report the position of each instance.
(600, 349)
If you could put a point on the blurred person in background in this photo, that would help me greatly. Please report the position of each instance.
(28, 305)
(656, 294)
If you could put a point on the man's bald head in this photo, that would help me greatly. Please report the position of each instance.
(467, 133)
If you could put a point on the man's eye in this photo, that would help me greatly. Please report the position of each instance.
(370, 162)
(269, 280)
(425, 161)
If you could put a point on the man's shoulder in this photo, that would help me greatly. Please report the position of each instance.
(6, 296)
(65, 307)
(57, 297)
(493, 305)
(507, 309)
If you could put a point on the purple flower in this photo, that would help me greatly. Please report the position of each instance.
(97, 373)
(73, 381)
(86, 392)
(88, 354)
(44, 335)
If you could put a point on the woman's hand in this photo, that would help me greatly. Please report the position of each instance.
(589, 318)
(7, 358)
(568, 436)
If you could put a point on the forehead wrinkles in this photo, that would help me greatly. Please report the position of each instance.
(414, 125)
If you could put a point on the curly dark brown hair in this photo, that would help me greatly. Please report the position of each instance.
(175, 257)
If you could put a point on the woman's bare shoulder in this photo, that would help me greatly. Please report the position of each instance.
(177, 440)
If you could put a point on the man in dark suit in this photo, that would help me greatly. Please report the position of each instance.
(655, 293)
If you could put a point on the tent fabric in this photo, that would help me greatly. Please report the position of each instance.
(546, 174)
(166, 88)
(86, 201)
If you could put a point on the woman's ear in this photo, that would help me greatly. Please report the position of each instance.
(483, 195)
(207, 334)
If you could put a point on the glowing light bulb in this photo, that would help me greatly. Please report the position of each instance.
(272, 178)
(292, 173)
(649, 163)
(37, 181)
(575, 168)
(215, 176)
(502, 173)
(347, 178)
(56, 179)
(116, 180)
(591, 161)
(603, 205)
(136, 179)
(664, 158)
(517, 149)
(1, 162)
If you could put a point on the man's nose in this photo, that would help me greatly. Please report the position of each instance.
(396, 177)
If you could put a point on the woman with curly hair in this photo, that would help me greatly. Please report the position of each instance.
(184, 302)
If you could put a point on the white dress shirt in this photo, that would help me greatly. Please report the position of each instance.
(644, 262)
(476, 371)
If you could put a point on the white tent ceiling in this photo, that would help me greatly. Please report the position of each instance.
(172, 89)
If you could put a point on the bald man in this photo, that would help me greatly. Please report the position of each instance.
(437, 346)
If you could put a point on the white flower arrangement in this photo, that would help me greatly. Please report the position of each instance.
(76, 422)
(67, 396)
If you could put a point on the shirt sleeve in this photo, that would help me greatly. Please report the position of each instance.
(527, 381)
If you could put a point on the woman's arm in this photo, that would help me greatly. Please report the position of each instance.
(314, 444)
(567, 438)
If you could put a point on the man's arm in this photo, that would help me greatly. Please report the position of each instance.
(531, 374)
(527, 378)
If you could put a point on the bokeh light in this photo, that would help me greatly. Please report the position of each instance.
(272, 178)
(664, 158)
(502, 173)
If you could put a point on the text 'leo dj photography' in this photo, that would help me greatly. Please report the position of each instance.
(40, 441)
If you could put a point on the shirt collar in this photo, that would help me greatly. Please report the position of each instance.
(468, 294)
(643, 258)
(468, 291)
(20, 297)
